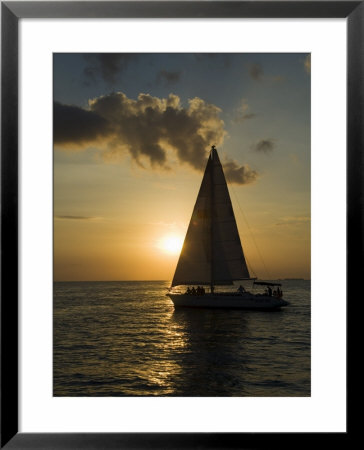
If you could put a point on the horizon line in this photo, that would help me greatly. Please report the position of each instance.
(148, 281)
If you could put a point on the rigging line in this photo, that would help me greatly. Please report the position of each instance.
(252, 236)
(251, 233)
(250, 267)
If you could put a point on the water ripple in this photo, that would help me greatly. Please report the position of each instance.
(126, 339)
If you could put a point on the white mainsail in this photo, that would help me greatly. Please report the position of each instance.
(212, 252)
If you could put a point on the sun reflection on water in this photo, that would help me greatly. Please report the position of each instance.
(126, 339)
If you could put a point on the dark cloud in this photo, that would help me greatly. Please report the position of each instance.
(256, 71)
(74, 124)
(241, 117)
(148, 128)
(239, 174)
(242, 113)
(248, 116)
(107, 65)
(167, 78)
(264, 145)
(74, 217)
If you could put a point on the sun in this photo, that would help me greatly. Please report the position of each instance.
(171, 244)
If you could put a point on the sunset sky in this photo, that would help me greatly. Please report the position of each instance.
(131, 139)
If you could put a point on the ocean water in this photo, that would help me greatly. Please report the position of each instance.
(126, 339)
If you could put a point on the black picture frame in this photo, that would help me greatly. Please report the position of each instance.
(11, 12)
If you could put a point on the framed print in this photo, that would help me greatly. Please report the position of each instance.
(117, 118)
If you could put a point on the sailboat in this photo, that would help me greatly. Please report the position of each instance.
(212, 254)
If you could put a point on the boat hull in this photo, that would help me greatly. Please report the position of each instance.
(231, 301)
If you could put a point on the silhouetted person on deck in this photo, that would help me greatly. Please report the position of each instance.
(269, 291)
(241, 289)
(188, 292)
(193, 291)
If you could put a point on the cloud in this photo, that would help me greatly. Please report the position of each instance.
(263, 146)
(75, 217)
(74, 125)
(294, 221)
(248, 116)
(256, 71)
(107, 65)
(242, 113)
(239, 174)
(307, 63)
(148, 128)
(167, 78)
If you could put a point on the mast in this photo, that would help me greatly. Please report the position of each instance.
(212, 219)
